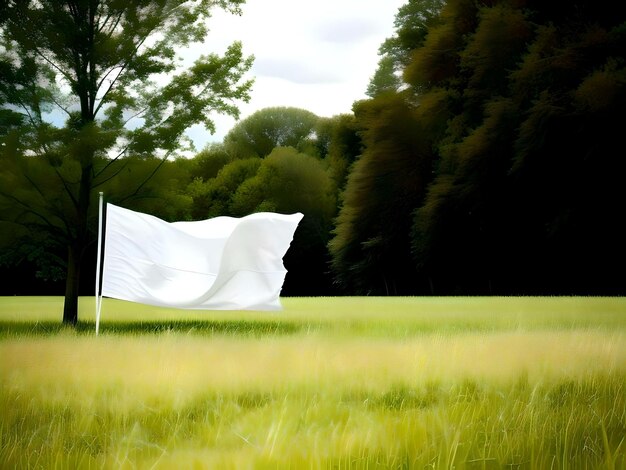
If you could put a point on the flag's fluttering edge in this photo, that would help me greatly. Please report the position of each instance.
(222, 263)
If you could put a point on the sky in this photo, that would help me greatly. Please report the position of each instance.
(316, 55)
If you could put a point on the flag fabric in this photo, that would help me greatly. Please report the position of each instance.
(224, 263)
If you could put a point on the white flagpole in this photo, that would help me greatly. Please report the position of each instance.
(98, 296)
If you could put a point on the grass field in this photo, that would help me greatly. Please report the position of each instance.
(326, 383)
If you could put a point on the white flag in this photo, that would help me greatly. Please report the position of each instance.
(223, 263)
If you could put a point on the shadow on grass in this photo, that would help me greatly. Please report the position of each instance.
(254, 328)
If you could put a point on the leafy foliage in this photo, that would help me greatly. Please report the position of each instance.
(287, 181)
(213, 198)
(387, 181)
(207, 163)
(412, 22)
(258, 134)
(522, 191)
(345, 144)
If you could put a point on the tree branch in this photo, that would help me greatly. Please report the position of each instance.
(148, 178)
(28, 209)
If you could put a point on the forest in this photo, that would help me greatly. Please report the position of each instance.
(487, 159)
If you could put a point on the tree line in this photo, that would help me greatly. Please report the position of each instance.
(496, 167)
(486, 159)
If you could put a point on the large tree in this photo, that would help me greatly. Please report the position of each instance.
(86, 83)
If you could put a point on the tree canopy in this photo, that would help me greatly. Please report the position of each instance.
(412, 23)
(258, 134)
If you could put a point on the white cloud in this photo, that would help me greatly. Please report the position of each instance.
(313, 55)
(294, 70)
(347, 30)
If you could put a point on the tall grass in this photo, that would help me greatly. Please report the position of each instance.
(327, 383)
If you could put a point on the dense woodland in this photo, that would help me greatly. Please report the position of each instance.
(487, 160)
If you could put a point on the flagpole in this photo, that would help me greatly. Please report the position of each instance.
(99, 256)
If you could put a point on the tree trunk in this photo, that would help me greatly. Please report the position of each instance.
(76, 249)
(70, 307)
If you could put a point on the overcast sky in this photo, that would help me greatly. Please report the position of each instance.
(316, 55)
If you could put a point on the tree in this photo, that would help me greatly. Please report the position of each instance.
(258, 134)
(412, 23)
(109, 67)
(371, 247)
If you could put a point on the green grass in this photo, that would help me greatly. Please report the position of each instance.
(327, 383)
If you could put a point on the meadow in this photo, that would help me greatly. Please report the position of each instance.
(354, 382)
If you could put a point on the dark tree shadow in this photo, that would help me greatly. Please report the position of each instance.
(249, 328)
